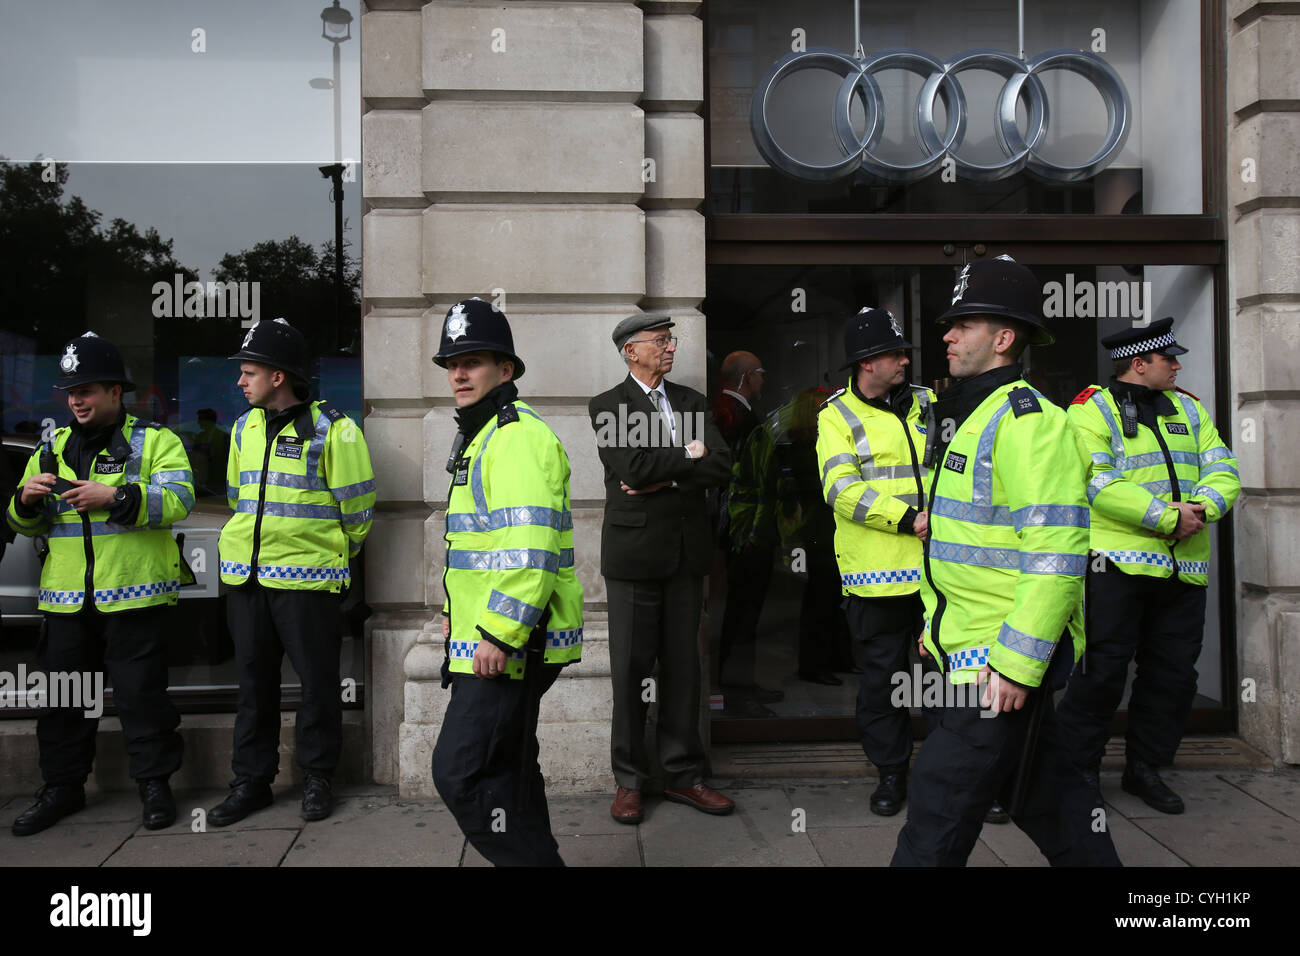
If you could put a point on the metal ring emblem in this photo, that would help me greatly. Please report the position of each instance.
(1021, 83)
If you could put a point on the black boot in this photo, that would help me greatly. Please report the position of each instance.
(997, 814)
(159, 806)
(1142, 780)
(317, 797)
(53, 803)
(242, 800)
(891, 793)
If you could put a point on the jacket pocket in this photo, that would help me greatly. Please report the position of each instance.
(627, 519)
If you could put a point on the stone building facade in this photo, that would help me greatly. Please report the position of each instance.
(551, 156)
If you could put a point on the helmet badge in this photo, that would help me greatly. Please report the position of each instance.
(69, 362)
(963, 281)
(893, 324)
(248, 338)
(457, 322)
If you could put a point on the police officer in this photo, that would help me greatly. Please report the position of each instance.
(300, 483)
(513, 613)
(870, 442)
(1160, 476)
(1002, 578)
(105, 490)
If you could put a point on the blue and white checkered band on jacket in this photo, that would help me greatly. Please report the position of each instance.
(1142, 346)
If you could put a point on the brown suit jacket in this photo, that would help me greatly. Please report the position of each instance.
(649, 536)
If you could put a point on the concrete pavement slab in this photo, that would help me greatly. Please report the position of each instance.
(1229, 841)
(1010, 845)
(600, 849)
(677, 835)
(843, 804)
(1279, 790)
(214, 848)
(856, 846)
(587, 814)
(360, 833)
(1204, 795)
(66, 844)
(1135, 846)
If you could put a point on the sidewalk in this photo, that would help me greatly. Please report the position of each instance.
(1233, 818)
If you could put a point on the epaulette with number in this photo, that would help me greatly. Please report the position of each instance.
(834, 395)
(507, 414)
(1086, 394)
(1186, 392)
(1023, 401)
(330, 410)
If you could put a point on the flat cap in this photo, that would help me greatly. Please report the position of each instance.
(639, 323)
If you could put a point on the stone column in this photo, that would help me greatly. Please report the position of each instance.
(503, 150)
(1264, 292)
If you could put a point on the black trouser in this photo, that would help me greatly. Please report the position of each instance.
(1160, 621)
(884, 629)
(651, 621)
(749, 572)
(132, 647)
(491, 785)
(969, 760)
(266, 624)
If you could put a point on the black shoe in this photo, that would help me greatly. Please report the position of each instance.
(317, 797)
(53, 803)
(997, 814)
(1141, 779)
(891, 793)
(241, 801)
(159, 807)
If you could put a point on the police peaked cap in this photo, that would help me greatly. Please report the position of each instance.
(1000, 287)
(278, 344)
(1157, 337)
(871, 332)
(90, 358)
(472, 325)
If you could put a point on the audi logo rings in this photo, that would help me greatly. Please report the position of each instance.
(1022, 82)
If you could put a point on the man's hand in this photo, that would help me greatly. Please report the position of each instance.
(36, 488)
(647, 490)
(920, 646)
(1191, 519)
(489, 660)
(697, 449)
(921, 525)
(1002, 695)
(446, 628)
(89, 495)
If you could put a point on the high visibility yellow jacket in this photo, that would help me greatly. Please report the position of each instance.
(752, 495)
(303, 500)
(871, 469)
(509, 537)
(122, 566)
(1132, 481)
(1005, 563)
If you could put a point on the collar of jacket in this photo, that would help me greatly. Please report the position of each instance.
(959, 400)
(89, 442)
(299, 414)
(897, 400)
(471, 418)
(1142, 395)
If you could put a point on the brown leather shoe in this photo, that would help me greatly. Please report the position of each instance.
(702, 798)
(627, 806)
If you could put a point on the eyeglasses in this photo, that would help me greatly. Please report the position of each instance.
(661, 343)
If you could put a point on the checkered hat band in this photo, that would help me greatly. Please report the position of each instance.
(1143, 346)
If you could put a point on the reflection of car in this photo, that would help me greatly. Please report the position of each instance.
(20, 571)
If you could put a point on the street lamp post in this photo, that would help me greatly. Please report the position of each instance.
(336, 27)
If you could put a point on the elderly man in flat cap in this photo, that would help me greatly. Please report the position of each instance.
(661, 451)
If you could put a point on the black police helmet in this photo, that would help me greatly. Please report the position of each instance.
(871, 332)
(1000, 287)
(473, 325)
(278, 344)
(89, 358)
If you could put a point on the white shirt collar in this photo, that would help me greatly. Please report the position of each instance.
(738, 397)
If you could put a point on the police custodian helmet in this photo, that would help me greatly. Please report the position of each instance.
(89, 358)
(473, 325)
(871, 332)
(277, 344)
(1000, 287)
